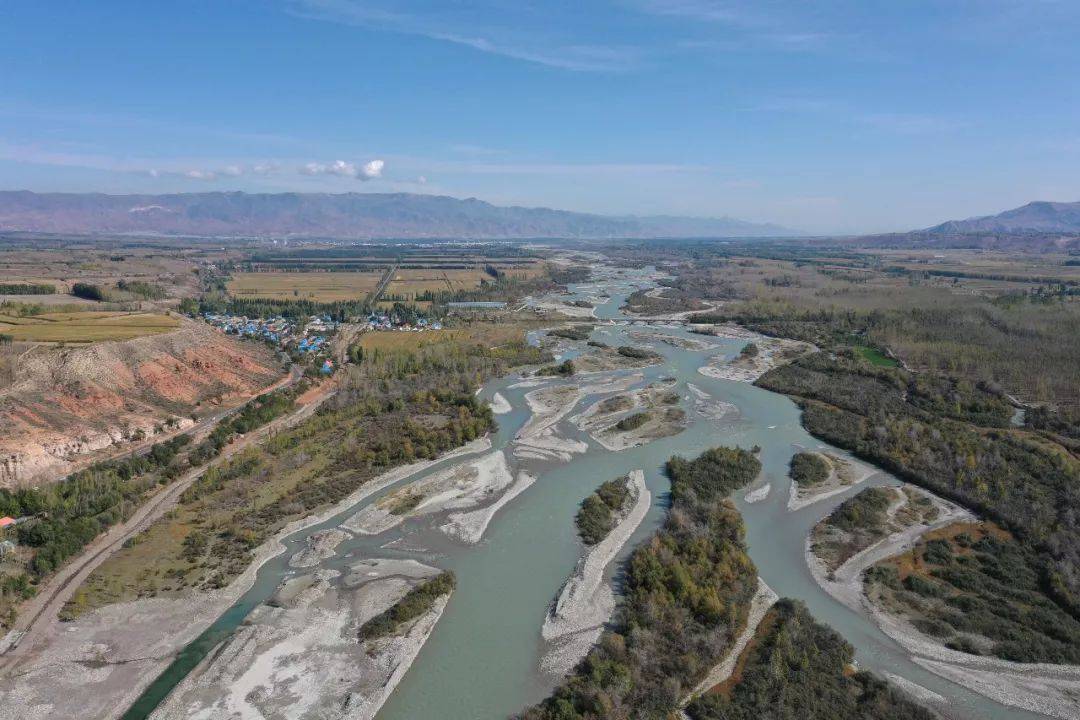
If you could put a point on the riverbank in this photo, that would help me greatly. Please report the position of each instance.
(585, 602)
(844, 474)
(1044, 688)
(461, 486)
(98, 665)
(301, 656)
(771, 352)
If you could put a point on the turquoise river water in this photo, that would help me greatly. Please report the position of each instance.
(481, 661)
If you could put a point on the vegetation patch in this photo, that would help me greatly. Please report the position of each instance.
(416, 602)
(933, 431)
(800, 668)
(687, 593)
(637, 353)
(27, 289)
(808, 468)
(599, 511)
(978, 591)
(632, 422)
(572, 332)
(563, 369)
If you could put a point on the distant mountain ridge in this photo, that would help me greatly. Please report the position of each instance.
(348, 215)
(1041, 217)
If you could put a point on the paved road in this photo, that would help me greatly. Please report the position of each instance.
(39, 615)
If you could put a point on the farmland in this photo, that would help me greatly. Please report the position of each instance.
(316, 286)
(84, 327)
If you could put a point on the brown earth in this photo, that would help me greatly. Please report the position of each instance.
(67, 406)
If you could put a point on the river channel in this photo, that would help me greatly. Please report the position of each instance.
(481, 661)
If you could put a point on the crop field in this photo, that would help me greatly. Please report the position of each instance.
(84, 327)
(317, 286)
(333, 285)
(413, 281)
(488, 335)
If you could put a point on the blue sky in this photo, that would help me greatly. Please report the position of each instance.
(832, 116)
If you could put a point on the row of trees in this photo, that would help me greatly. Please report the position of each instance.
(65, 516)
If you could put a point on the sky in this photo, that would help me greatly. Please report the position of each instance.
(833, 116)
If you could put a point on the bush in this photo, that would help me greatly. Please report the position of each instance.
(808, 469)
(563, 369)
(87, 291)
(632, 422)
(415, 603)
(596, 518)
(636, 353)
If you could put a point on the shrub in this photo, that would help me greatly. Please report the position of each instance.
(809, 469)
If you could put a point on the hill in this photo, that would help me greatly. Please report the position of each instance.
(65, 406)
(1035, 217)
(349, 215)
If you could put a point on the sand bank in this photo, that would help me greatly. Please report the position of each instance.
(771, 353)
(709, 407)
(303, 658)
(844, 474)
(469, 527)
(657, 400)
(320, 546)
(499, 404)
(758, 494)
(464, 485)
(538, 438)
(585, 603)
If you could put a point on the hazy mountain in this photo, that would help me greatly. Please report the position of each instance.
(350, 215)
(1041, 217)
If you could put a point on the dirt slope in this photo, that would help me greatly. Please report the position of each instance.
(66, 405)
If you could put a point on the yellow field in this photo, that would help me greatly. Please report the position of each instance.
(85, 327)
(317, 286)
(345, 285)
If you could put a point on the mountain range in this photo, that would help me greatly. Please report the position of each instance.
(349, 215)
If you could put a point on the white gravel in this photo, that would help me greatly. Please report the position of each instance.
(586, 601)
(500, 405)
(469, 527)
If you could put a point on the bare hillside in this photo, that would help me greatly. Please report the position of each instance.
(62, 406)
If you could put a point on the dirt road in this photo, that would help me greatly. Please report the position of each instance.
(39, 614)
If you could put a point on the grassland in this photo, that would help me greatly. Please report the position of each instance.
(85, 327)
(317, 286)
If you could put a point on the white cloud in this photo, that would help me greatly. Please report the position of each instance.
(498, 29)
(368, 171)
(201, 175)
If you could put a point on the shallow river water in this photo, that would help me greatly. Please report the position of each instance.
(481, 662)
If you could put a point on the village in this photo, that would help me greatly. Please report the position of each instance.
(310, 339)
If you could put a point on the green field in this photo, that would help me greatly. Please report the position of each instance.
(875, 356)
